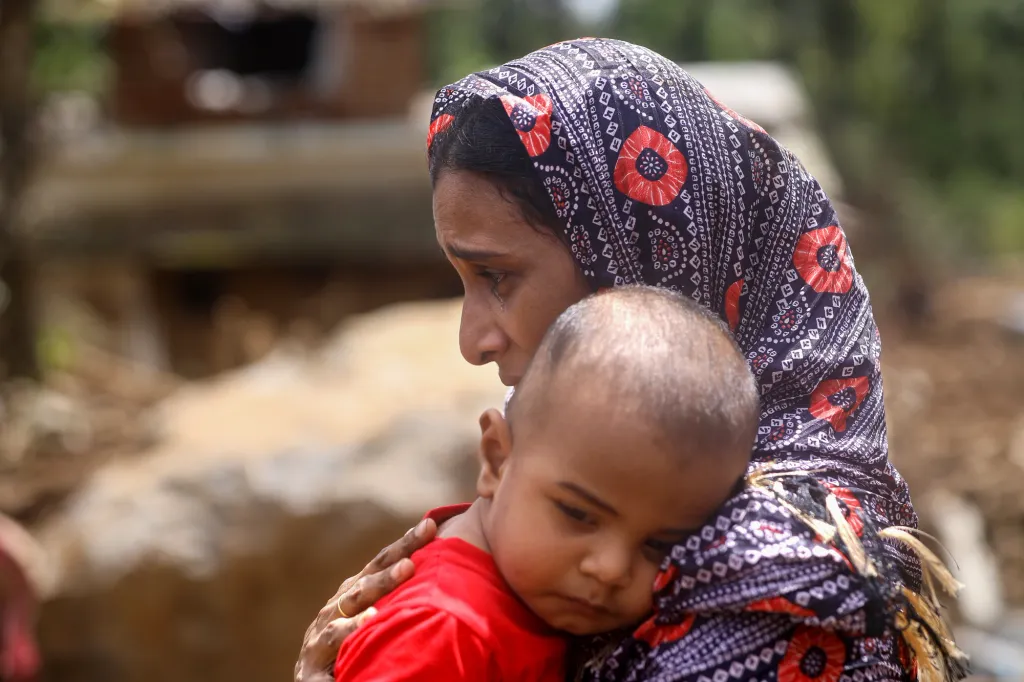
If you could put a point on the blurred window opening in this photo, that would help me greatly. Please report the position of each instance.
(247, 64)
(257, 63)
(277, 47)
(198, 291)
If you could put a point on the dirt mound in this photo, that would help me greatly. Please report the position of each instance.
(955, 400)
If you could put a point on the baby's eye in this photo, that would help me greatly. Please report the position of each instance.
(656, 550)
(574, 513)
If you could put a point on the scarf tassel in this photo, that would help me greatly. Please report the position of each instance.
(919, 618)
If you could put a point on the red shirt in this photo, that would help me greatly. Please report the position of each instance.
(455, 619)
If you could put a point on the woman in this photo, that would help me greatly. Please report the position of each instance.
(619, 168)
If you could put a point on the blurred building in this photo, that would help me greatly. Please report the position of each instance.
(198, 61)
(249, 156)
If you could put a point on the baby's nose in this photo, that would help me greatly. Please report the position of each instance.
(608, 565)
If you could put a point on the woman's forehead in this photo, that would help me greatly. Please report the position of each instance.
(473, 221)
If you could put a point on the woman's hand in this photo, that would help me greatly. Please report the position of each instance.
(352, 604)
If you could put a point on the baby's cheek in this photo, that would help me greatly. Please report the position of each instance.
(527, 571)
(640, 601)
(527, 560)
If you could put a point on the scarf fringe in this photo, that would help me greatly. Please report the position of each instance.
(917, 617)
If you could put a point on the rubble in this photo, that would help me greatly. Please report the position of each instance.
(961, 529)
(955, 399)
(54, 434)
(204, 556)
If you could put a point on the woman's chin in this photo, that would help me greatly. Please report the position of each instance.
(509, 380)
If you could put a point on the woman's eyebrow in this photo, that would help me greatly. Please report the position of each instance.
(588, 496)
(469, 253)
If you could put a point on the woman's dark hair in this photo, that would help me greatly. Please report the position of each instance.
(482, 140)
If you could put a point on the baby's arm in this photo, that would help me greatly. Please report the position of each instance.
(416, 643)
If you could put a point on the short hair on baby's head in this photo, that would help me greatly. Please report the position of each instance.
(653, 352)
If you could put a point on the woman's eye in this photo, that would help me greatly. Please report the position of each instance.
(495, 277)
(492, 276)
(574, 513)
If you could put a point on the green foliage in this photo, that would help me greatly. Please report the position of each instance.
(70, 57)
(491, 32)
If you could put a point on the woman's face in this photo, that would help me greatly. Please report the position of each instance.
(517, 278)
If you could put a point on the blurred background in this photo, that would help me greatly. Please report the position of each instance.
(229, 369)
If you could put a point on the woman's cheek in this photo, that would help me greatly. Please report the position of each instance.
(529, 314)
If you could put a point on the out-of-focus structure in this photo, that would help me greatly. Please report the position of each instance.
(247, 155)
(197, 61)
(253, 60)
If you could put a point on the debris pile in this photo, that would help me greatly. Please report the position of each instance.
(955, 399)
(54, 434)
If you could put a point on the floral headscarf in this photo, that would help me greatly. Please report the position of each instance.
(801, 576)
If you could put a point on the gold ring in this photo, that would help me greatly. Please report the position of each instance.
(340, 610)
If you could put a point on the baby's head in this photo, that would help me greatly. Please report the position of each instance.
(633, 423)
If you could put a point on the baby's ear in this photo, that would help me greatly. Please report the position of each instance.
(495, 446)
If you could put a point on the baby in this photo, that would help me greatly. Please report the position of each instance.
(633, 423)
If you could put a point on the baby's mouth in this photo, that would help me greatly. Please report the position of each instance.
(588, 608)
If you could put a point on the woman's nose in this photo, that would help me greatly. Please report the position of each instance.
(481, 340)
(609, 565)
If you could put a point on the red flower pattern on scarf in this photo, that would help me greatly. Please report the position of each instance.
(649, 168)
(779, 605)
(732, 304)
(665, 578)
(834, 400)
(437, 125)
(853, 509)
(813, 655)
(531, 117)
(821, 260)
(655, 634)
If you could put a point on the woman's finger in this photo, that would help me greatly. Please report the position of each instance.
(321, 650)
(337, 631)
(331, 638)
(329, 611)
(414, 539)
(354, 604)
(372, 587)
